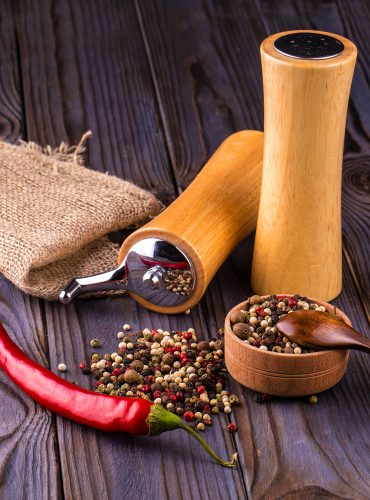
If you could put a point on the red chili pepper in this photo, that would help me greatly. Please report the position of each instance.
(101, 411)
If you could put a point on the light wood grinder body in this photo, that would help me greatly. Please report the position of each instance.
(307, 78)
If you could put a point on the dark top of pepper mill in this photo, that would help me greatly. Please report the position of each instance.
(306, 45)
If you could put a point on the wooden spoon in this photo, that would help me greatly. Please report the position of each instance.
(321, 330)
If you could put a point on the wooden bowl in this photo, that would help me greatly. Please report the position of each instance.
(287, 375)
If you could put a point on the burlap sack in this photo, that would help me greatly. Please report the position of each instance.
(55, 213)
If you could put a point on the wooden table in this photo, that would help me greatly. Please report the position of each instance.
(161, 83)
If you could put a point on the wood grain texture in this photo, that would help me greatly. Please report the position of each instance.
(156, 468)
(351, 21)
(11, 123)
(161, 84)
(336, 16)
(305, 109)
(291, 449)
(29, 462)
(284, 454)
(84, 67)
(205, 62)
(356, 223)
(96, 464)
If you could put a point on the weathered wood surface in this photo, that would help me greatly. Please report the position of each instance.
(160, 84)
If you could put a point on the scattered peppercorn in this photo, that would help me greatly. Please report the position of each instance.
(232, 427)
(260, 397)
(313, 400)
(185, 375)
(62, 367)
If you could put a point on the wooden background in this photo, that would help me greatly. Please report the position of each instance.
(161, 83)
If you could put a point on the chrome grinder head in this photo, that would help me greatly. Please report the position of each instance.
(154, 269)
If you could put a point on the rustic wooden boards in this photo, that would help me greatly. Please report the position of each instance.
(161, 84)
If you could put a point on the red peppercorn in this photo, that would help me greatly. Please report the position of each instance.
(189, 416)
(187, 335)
(292, 302)
(157, 394)
(261, 313)
(145, 388)
(232, 428)
(201, 389)
(173, 398)
(98, 383)
(116, 372)
(82, 365)
(257, 343)
(207, 409)
(179, 396)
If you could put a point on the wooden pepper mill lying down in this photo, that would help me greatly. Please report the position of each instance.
(167, 264)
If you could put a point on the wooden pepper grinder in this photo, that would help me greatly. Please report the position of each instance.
(307, 78)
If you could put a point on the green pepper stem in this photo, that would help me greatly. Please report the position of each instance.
(160, 420)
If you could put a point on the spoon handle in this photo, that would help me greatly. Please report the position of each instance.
(360, 344)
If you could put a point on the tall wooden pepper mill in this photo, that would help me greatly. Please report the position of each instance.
(307, 78)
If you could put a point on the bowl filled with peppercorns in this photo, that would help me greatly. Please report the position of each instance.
(260, 358)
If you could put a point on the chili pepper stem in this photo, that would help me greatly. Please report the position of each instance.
(160, 420)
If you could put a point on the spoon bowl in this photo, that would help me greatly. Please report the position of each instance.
(321, 330)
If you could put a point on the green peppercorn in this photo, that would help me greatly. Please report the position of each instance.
(234, 400)
(313, 400)
(95, 343)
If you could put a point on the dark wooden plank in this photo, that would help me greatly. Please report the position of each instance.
(93, 54)
(205, 61)
(84, 67)
(288, 463)
(289, 448)
(111, 465)
(356, 225)
(27, 431)
(10, 78)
